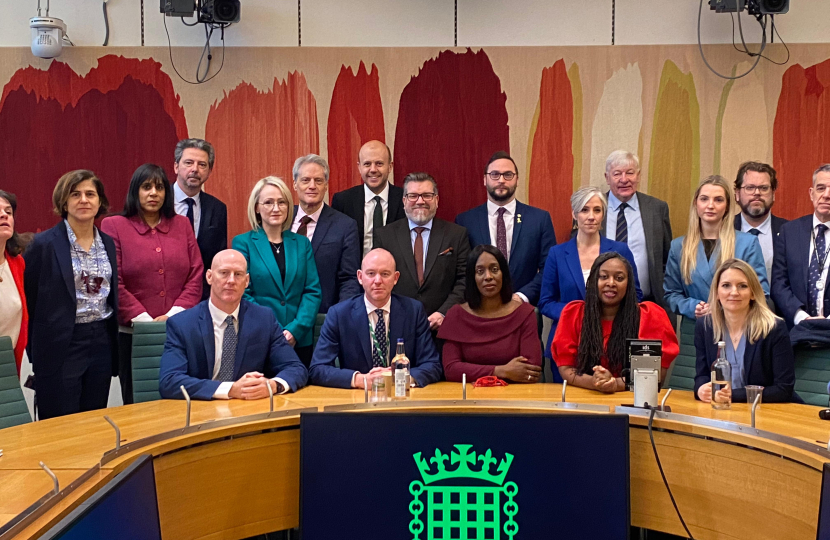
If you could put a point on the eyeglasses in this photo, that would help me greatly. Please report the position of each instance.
(495, 175)
(763, 190)
(269, 205)
(413, 197)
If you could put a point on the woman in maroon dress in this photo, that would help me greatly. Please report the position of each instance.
(589, 345)
(493, 333)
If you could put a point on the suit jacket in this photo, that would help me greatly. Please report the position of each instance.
(190, 352)
(296, 300)
(790, 267)
(345, 336)
(563, 281)
(775, 225)
(17, 267)
(352, 202)
(49, 284)
(769, 362)
(533, 237)
(444, 268)
(657, 229)
(682, 297)
(213, 233)
(337, 252)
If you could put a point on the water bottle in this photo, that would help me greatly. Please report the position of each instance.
(400, 363)
(721, 378)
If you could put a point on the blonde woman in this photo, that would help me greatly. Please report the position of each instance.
(711, 239)
(281, 264)
(757, 342)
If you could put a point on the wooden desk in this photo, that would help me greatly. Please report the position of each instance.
(771, 487)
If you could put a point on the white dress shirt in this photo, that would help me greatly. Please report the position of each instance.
(424, 238)
(801, 314)
(636, 235)
(373, 321)
(369, 214)
(315, 217)
(509, 219)
(765, 239)
(181, 207)
(218, 317)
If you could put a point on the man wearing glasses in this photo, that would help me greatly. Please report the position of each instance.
(522, 233)
(431, 253)
(755, 188)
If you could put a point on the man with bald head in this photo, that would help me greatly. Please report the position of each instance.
(375, 203)
(226, 347)
(362, 332)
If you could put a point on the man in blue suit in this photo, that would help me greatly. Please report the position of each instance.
(799, 285)
(362, 332)
(524, 234)
(226, 347)
(333, 235)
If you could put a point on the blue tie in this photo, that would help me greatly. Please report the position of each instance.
(816, 266)
(229, 341)
(622, 225)
(190, 216)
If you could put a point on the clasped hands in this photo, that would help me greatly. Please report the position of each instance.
(604, 381)
(252, 385)
(519, 370)
(373, 373)
(705, 393)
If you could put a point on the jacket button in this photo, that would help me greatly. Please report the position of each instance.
(158, 250)
(282, 302)
(153, 231)
(161, 293)
(161, 270)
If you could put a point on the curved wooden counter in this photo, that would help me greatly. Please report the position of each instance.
(747, 483)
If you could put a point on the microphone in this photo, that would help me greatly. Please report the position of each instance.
(824, 414)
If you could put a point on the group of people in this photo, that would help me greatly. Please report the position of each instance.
(383, 267)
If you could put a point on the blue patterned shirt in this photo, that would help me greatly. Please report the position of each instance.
(92, 273)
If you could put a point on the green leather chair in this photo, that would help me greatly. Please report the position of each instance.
(683, 371)
(812, 373)
(148, 344)
(13, 409)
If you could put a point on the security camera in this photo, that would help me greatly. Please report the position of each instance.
(47, 36)
(220, 11)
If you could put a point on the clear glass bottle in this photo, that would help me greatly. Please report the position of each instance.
(400, 364)
(721, 378)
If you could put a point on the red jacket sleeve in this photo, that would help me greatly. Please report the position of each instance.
(655, 324)
(566, 340)
(128, 304)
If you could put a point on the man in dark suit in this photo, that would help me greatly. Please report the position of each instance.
(799, 284)
(376, 202)
(524, 234)
(366, 349)
(333, 235)
(640, 220)
(755, 193)
(226, 347)
(431, 251)
(207, 214)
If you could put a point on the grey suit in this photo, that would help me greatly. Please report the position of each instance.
(657, 229)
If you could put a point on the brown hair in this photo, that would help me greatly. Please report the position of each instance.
(14, 245)
(756, 166)
(68, 182)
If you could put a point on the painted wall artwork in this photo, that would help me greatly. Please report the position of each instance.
(558, 110)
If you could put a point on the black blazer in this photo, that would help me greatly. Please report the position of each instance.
(444, 268)
(768, 362)
(352, 201)
(49, 285)
(213, 233)
(337, 252)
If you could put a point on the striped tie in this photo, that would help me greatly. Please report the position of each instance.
(622, 225)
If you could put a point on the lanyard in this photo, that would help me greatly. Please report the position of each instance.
(821, 262)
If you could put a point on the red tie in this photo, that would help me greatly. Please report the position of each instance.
(419, 254)
(302, 230)
(501, 232)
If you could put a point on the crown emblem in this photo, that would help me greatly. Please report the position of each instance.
(463, 457)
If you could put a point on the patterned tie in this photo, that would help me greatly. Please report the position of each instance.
(501, 232)
(302, 230)
(816, 267)
(228, 352)
(377, 218)
(190, 203)
(419, 254)
(622, 225)
(754, 232)
(381, 351)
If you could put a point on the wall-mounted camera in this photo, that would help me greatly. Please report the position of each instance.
(209, 11)
(753, 7)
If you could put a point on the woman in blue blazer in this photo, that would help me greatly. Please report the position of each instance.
(569, 264)
(710, 240)
(281, 264)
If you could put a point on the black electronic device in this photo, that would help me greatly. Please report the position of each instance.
(178, 8)
(220, 11)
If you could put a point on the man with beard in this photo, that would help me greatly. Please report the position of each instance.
(639, 220)
(755, 192)
(207, 214)
(431, 253)
(522, 233)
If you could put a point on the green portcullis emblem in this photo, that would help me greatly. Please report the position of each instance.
(463, 512)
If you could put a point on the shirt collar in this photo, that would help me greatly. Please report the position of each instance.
(614, 203)
(73, 240)
(816, 221)
(368, 194)
(765, 227)
(315, 217)
(427, 225)
(219, 316)
(141, 227)
(370, 307)
(179, 196)
(492, 208)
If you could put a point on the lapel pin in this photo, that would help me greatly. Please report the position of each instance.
(518, 218)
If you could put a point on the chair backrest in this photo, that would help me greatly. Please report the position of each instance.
(683, 371)
(812, 373)
(13, 409)
(318, 325)
(148, 344)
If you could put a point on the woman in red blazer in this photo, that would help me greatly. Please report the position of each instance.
(159, 263)
(14, 317)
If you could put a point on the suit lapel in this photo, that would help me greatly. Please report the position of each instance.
(206, 328)
(241, 342)
(394, 204)
(749, 353)
(321, 228)
(517, 228)
(804, 252)
(64, 256)
(263, 248)
(204, 218)
(362, 322)
(436, 240)
(483, 222)
(649, 226)
(396, 324)
(706, 268)
(291, 245)
(405, 248)
(358, 203)
(572, 256)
